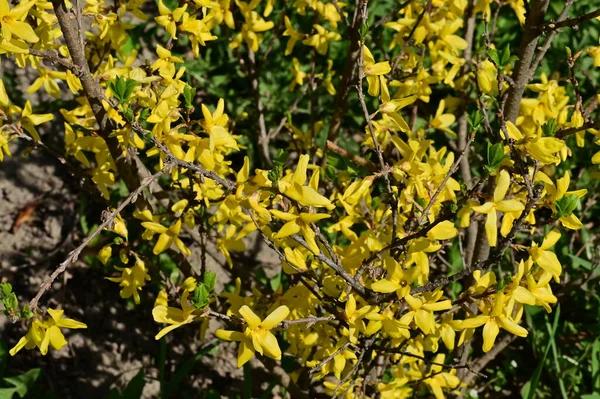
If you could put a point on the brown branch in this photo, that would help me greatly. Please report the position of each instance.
(354, 158)
(571, 22)
(388, 17)
(408, 39)
(341, 97)
(495, 258)
(94, 94)
(108, 221)
(488, 357)
(549, 37)
(339, 10)
(562, 133)
(329, 358)
(522, 72)
(264, 135)
(308, 320)
(361, 97)
(452, 170)
(54, 58)
(399, 351)
(356, 285)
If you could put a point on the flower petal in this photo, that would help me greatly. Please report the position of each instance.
(270, 346)
(502, 185)
(245, 353)
(490, 332)
(276, 317)
(251, 318)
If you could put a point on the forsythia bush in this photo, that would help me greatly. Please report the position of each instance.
(364, 142)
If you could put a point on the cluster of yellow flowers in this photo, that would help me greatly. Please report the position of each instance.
(369, 293)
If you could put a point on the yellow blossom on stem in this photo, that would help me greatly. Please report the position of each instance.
(168, 236)
(299, 224)
(495, 319)
(132, 280)
(293, 35)
(175, 317)
(545, 258)
(498, 203)
(47, 332)
(168, 18)
(257, 336)
(374, 71)
(293, 186)
(12, 21)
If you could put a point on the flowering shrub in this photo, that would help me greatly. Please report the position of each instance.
(365, 143)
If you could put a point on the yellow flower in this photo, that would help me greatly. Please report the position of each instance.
(29, 120)
(486, 77)
(442, 121)
(498, 203)
(356, 317)
(104, 254)
(422, 310)
(4, 147)
(169, 18)
(544, 149)
(45, 333)
(175, 317)
(299, 224)
(293, 186)
(132, 279)
(164, 58)
(399, 280)
(321, 39)
(558, 191)
(257, 336)
(374, 71)
(12, 21)
(293, 34)
(167, 237)
(439, 378)
(546, 259)
(496, 318)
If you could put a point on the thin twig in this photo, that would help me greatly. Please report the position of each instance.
(452, 170)
(571, 22)
(108, 220)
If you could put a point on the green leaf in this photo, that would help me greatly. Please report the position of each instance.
(10, 302)
(6, 289)
(596, 364)
(530, 387)
(135, 387)
(122, 89)
(200, 300)
(275, 282)
(364, 29)
(26, 312)
(550, 128)
(278, 165)
(210, 279)
(495, 155)
(505, 58)
(493, 55)
(566, 205)
(189, 93)
(474, 120)
(22, 384)
(577, 262)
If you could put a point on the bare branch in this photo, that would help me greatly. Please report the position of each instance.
(108, 221)
(571, 22)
